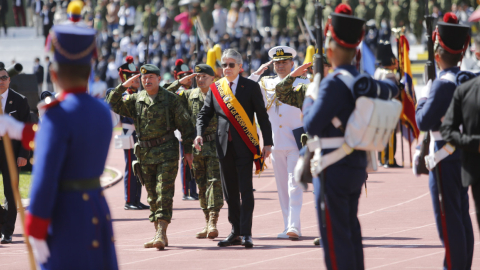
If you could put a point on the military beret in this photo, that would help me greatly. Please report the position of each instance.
(150, 69)
(204, 68)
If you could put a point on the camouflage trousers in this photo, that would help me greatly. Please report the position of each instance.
(207, 176)
(160, 185)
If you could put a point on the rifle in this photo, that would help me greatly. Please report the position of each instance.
(430, 75)
(304, 34)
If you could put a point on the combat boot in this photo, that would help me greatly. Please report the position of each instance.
(203, 233)
(212, 225)
(165, 234)
(159, 241)
(149, 244)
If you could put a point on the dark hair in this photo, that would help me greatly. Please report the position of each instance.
(449, 58)
(72, 72)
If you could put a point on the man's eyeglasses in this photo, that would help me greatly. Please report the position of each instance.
(230, 65)
(4, 78)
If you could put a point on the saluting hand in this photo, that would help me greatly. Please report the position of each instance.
(300, 70)
(262, 68)
(187, 80)
(130, 81)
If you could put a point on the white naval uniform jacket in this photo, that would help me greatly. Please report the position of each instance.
(284, 118)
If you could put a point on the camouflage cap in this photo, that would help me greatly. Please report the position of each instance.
(204, 68)
(150, 69)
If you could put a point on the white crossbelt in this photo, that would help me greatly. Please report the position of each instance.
(435, 157)
(319, 162)
(129, 127)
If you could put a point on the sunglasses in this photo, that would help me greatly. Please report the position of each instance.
(230, 65)
(4, 78)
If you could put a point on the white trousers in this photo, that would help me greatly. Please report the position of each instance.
(290, 194)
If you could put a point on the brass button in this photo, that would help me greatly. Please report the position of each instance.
(95, 244)
(280, 115)
(280, 126)
(85, 196)
(95, 220)
(108, 216)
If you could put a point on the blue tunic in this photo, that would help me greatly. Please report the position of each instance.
(72, 144)
(455, 227)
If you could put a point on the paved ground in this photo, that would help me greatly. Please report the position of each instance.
(396, 217)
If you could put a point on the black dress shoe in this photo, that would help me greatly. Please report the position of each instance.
(130, 206)
(195, 197)
(394, 165)
(142, 206)
(231, 240)
(6, 239)
(247, 241)
(188, 198)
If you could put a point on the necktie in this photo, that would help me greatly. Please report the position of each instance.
(229, 133)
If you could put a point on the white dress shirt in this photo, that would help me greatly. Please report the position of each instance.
(4, 100)
(234, 85)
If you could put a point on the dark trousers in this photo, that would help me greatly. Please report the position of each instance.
(3, 17)
(16, 12)
(387, 156)
(189, 186)
(133, 188)
(236, 174)
(455, 227)
(10, 214)
(342, 235)
(476, 198)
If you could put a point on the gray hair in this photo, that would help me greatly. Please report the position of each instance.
(231, 53)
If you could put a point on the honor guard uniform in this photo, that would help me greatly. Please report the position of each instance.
(339, 227)
(287, 129)
(387, 65)
(188, 182)
(205, 162)
(155, 118)
(449, 197)
(133, 187)
(69, 224)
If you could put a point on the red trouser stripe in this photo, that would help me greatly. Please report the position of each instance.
(444, 223)
(129, 179)
(331, 247)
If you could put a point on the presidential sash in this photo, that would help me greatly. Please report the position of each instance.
(239, 119)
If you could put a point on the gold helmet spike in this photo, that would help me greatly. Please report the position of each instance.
(309, 54)
(211, 58)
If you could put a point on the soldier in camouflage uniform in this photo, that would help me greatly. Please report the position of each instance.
(371, 6)
(397, 18)
(278, 15)
(381, 12)
(292, 21)
(310, 12)
(361, 10)
(326, 11)
(416, 19)
(156, 113)
(205, 163)
(153, 20)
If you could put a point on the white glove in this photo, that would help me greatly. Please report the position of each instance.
(40, 249)
(426, 90)
(12, 127)
(416, 159)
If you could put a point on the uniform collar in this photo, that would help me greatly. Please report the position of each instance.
(453, 70)
(349, 68)
(143, 96)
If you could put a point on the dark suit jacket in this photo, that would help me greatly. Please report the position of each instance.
(249, 95)
(39, 74)
(465, 110)
(17, 106)
(33, 4)
(49, 80)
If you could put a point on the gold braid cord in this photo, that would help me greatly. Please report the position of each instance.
(270, 101)
(68, 55)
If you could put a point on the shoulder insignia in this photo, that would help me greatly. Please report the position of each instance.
(126, 97)
(180, 92)
(297, 88)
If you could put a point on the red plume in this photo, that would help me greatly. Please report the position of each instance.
(450, 17)
(129, 59)
(344, 9)
(179, 62)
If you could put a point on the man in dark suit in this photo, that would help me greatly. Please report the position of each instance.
(3, 14)
(235, 150)
(48, 79)
(463, 111)
(15, 105)
(39, 73)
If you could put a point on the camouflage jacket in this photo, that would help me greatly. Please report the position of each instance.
(289, 95)
(193, 100)
(154, 120)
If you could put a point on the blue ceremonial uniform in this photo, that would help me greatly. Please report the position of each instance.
(72, 145)
(133, 187)
(455, 227)
(341, 236)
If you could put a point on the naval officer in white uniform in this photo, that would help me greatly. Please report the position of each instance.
(285, 120)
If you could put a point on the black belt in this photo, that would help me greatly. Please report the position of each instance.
(209, 137)
(157, 141)
(80, 185)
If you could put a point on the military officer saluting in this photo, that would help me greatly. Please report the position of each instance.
(452, 213)
(156, 114)
(287, 130)
(205, 162)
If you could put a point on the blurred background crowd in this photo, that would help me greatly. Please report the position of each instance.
(250, 26)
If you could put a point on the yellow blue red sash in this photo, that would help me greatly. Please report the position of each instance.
(239, 119)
